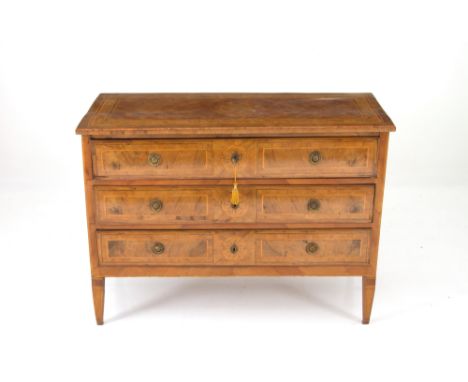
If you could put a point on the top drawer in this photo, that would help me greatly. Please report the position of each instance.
(256, 158)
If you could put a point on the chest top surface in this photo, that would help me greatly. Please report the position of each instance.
(233, 114)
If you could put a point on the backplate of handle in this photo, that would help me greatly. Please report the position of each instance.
(311, 248)
(158, 248)
(315, 157)
(154, 159)
(156, 205)
(313, 205)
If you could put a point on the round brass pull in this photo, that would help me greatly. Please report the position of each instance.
(158, 248)
(313, 205)
(154, 159)
(234, 249)
(235, 157)
(156, 205)
(315, 157)
(311, 248)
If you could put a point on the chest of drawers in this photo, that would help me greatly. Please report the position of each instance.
(159, 172)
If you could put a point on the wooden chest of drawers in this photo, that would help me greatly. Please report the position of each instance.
(159, 173)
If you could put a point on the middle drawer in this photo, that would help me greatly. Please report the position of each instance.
(258, 204)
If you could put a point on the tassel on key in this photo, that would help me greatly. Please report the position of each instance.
(235, 192)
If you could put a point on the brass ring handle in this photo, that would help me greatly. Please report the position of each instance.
(158, 248)
(234, 249)
(235, 157)
(311, 248)
(156, 205)
(154, 159)
(313, 204)
(315, 157)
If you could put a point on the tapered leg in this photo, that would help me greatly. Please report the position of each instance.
(368, 289)
(98, 297)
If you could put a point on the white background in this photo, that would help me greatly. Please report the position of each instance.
(56, 56)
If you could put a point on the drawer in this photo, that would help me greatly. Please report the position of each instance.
(219, 248)
(261, 158)
(176, 247)
(313, 247)
(315, 204)
(155, 248)
(161, 205)
(317, 157)
(261, 204)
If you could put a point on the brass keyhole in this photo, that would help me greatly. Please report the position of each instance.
(235, 157)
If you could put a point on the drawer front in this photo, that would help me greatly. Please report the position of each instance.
(266, 204)
(318, 204)
(317, 157)
(313, 247)
(155, 248)
(153, 159)
(159, 205)
(224, 248)
(234, 248)
(261, 158)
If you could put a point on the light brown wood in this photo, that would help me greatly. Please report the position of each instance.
(233, 270)
(368, 290)
(258, 158)
(311, 174)
(270, 247)
(177, 158)
(335, 247)
(368, 283)
(261, 204)
(160, 247)
(339, 157)
(190, 206)
(337, 204)
(233, 115)
(98, 285)
(228, 182)
(97, 281)
(234, 248)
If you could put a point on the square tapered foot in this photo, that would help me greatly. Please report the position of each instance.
(368, 289)
(98, 284)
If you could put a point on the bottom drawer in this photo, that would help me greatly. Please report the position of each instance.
(265, 247)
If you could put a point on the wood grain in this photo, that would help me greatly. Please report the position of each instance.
(242, 241)
(189, 206)
(221, 115)
(335, 247)
(233, 270)
(368, 290)
(98, 285)
(98, 282)
(178, 248)
(261, 204)
(252, 247)
(259, 158)
(311, 176)
(338, 157)
(333, 204)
